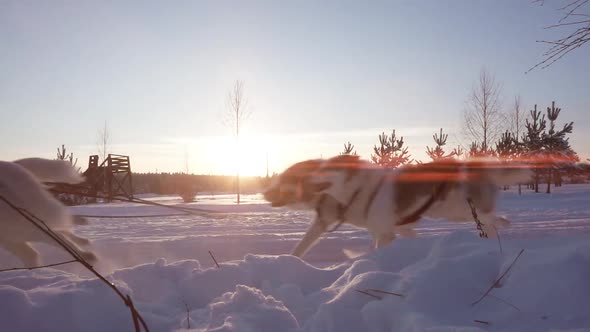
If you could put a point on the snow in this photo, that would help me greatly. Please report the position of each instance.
(164, 264)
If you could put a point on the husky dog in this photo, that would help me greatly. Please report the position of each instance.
(21, 183)
(346, 189)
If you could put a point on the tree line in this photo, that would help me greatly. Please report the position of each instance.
(534, 137)
(542, 144)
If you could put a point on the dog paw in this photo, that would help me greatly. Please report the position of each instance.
(78, 220)
(502, 222)
(89, 257)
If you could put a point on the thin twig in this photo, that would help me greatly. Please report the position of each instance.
(576, 4)
(566, 24)
(504, 301)
(563, 46)
(188, 317)
(39, 267)
(211, 254)
(369, 294)
(497, 282)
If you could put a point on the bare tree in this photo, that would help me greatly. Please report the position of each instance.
(104, 141)
(577, 25)
(517, 117)
(483, 120)
(237, 113)
(517, 126)
(186, 158)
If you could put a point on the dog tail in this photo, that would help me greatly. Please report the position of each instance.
(509, 175)
(46, 170)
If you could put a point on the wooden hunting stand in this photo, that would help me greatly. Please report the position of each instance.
(111, 178)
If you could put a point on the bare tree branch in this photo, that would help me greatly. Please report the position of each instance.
(572, 6)
(572, 41)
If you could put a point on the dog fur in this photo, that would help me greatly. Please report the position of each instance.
(21, 183)
(346, 189)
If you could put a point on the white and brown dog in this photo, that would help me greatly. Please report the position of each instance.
(346, 189)
(21, 184)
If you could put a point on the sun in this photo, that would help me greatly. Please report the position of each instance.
(248, 157)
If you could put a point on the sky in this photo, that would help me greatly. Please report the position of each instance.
(316, 75)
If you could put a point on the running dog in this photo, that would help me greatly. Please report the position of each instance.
(21, 184)
(346, 189)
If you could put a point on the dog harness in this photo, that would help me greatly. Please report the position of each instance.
(438, 193)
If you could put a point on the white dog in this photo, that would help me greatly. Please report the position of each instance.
(21, 184)
(346, 189)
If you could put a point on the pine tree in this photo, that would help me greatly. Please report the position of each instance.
(507, 149)
(63, 155)
(438, 152)
(458, 151)
(382, 153)
(507, 146)
(473, 150)
(477, 150)
(558, 151)
(349, 150)
(391, 152)
(533, 142)
(69, 199)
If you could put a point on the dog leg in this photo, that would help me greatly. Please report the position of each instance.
(75, 238)
(491, 223)
(382, 240)
(71, 241)
(27, 254)
(311, 236)
(502, 222)
(80, 220)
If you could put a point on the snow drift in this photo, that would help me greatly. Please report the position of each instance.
(163, 263)
(439, 278)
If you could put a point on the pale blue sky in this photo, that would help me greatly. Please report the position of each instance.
(317, 74)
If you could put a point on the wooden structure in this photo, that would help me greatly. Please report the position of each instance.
(111, 178)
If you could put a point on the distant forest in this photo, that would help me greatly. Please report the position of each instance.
(177, 183)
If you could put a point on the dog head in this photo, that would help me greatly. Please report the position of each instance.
(304, 182)
(296, 186)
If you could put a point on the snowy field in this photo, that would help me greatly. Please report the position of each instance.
(164, 264)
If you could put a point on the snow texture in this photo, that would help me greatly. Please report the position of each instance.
(164, 264)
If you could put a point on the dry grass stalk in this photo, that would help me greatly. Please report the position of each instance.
(497, 282)
(188, 317)
(369, 294)
(384, 292)
(214, 260)
(504, 301)
(38, 267)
